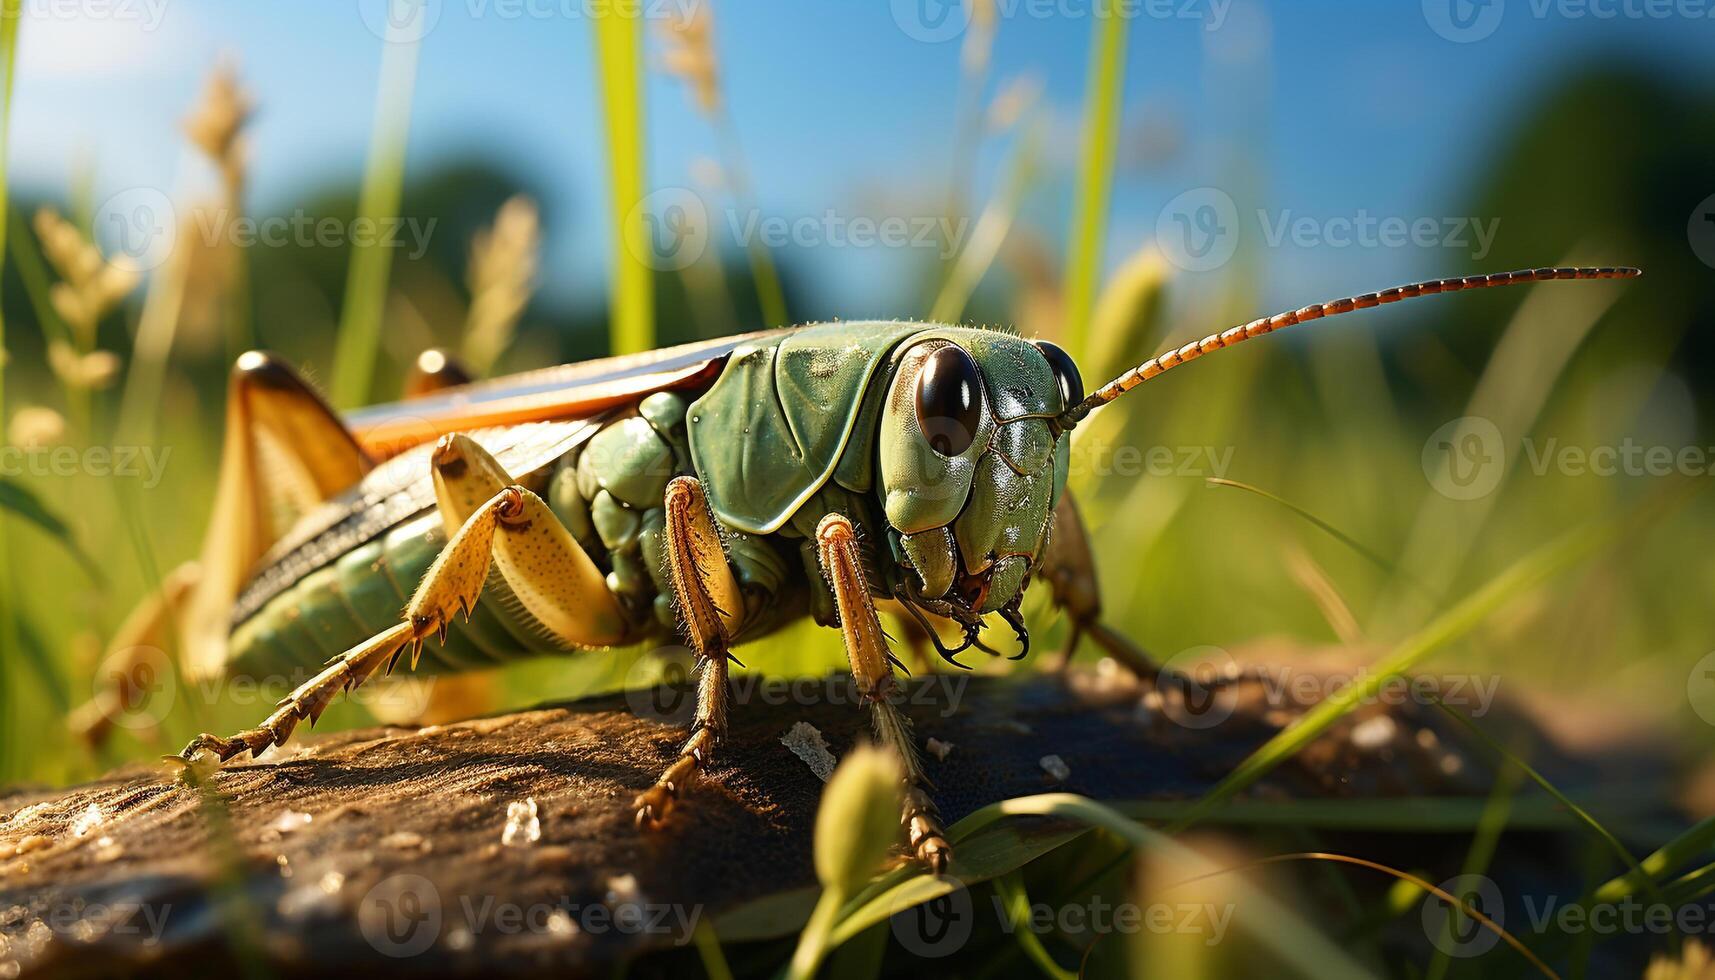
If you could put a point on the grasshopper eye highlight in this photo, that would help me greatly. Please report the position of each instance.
(949, 400)
(1065, 374)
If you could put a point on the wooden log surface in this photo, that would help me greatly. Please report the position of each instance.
(506, 845)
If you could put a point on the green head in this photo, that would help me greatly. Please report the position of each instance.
(972, 464)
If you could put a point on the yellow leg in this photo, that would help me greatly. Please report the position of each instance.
(512, 530)
(872, 666)
(710, 605)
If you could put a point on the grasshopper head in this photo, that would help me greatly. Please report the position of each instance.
(972, 464)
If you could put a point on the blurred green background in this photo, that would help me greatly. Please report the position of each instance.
(566, 185)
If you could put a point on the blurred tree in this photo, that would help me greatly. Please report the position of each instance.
(1611, 167)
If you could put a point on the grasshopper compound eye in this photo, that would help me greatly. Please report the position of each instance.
(1066, 375)
(949, 400)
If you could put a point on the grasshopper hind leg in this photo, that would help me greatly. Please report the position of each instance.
(493, 523)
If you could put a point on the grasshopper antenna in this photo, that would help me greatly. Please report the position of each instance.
(1268, 324)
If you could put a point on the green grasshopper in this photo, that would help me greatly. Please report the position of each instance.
(718, 490)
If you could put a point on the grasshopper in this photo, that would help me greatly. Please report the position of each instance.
(716, 490)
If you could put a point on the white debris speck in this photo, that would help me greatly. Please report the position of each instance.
(939, 749)
(290, 820)
(30, 813)
(560, 925)
(107, 850)
(1373, 733)
(622, 889)
(460, 939)
(806, 742)
(1056, 768)
(86, 821)
(523, 824)
(403, 840)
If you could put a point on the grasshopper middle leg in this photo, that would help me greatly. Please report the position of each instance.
(872, 666)
(710, 604)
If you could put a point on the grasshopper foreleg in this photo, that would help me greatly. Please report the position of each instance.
(872, 666)
(710, 605)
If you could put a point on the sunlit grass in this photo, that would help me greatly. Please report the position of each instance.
(631, 300)
(365, 300)
(1102, 95)
(11, 18)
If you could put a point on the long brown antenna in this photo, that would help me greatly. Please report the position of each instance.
(1268, 324)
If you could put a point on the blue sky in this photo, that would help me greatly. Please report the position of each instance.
(1340, 106)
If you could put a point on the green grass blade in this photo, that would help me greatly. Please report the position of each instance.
(989, 233)
(1274, 926)
(619, 55)
(1591, 823)
(1533, 570)
(715, 966)
(1011, 890)
(1692, 844)
(1691, 886)
(1102, 97)
(1477, 859)
(11, 19)
(365, 303)
(1334, 532)
(19, 500)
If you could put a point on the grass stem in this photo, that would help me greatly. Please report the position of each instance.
(359, 340)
